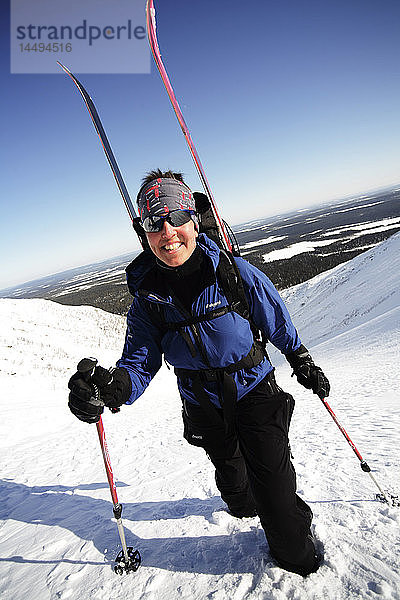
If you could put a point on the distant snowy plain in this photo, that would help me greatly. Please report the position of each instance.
(58, 538)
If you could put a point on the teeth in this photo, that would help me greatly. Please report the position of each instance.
(172, 246)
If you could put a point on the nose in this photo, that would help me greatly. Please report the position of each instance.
(167, 230)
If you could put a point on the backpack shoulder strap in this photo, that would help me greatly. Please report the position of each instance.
(232, 283)
(156, 314)
(228, 275)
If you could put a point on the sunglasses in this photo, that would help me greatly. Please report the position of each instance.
(176, 218)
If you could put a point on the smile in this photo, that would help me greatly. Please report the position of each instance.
(172, 247)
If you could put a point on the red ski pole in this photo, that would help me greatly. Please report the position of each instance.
(384, 496)
(128, 559)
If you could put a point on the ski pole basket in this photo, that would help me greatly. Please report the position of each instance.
(127, 566)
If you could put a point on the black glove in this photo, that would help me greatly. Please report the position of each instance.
(307, 373)
(113, 389)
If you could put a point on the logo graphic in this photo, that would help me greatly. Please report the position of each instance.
(213, 304)
(89, 36)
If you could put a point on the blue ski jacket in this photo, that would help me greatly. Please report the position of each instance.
(225, 339)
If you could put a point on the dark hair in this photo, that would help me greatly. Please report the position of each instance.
(156, 174)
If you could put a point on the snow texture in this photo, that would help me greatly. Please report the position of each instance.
(58, 537)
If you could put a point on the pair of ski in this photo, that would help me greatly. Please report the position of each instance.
(129, 560)
(152, 36)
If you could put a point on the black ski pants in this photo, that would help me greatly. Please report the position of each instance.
(253, 469)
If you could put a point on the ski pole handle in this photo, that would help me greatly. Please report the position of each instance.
(86, 367)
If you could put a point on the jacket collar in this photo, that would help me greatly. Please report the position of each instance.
(144, 276)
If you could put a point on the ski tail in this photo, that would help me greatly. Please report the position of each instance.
(152, 36)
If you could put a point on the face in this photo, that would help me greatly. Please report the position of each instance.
(173, 245)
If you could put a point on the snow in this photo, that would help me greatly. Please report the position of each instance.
(374, 227)
(269, 240)
(294, 249)
(358, 207)
(58, 539)
(349, 295)
(311, 245)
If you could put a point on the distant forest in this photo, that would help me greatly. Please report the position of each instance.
(299, 268)
(115, 298)
(338, 232)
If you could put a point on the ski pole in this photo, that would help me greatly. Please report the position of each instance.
(383, 496)
(128, 559)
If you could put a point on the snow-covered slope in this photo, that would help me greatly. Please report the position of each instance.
(57, 536)
(349, 295)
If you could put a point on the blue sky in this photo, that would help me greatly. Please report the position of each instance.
(289, 104)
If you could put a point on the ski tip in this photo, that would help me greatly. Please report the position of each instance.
(150, 10)
(64, 67)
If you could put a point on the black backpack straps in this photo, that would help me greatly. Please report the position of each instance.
(228, 390)
(209, 316)
(254, 357)
(232, 284)
(156, 314)
(228, 275)
(229, 278)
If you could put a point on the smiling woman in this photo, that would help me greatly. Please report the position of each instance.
(187, 307)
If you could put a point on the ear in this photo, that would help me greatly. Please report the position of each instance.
(196, 223)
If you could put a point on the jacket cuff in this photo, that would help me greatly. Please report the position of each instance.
(298, 357)
(119, 390)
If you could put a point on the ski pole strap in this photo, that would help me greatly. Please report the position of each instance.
(223, 376)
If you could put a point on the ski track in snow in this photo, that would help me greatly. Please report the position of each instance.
(58, 538)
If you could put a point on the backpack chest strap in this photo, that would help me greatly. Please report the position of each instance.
(252, 359)
(209, 316)
(223, 375)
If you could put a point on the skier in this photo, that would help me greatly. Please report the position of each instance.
(232, 405)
